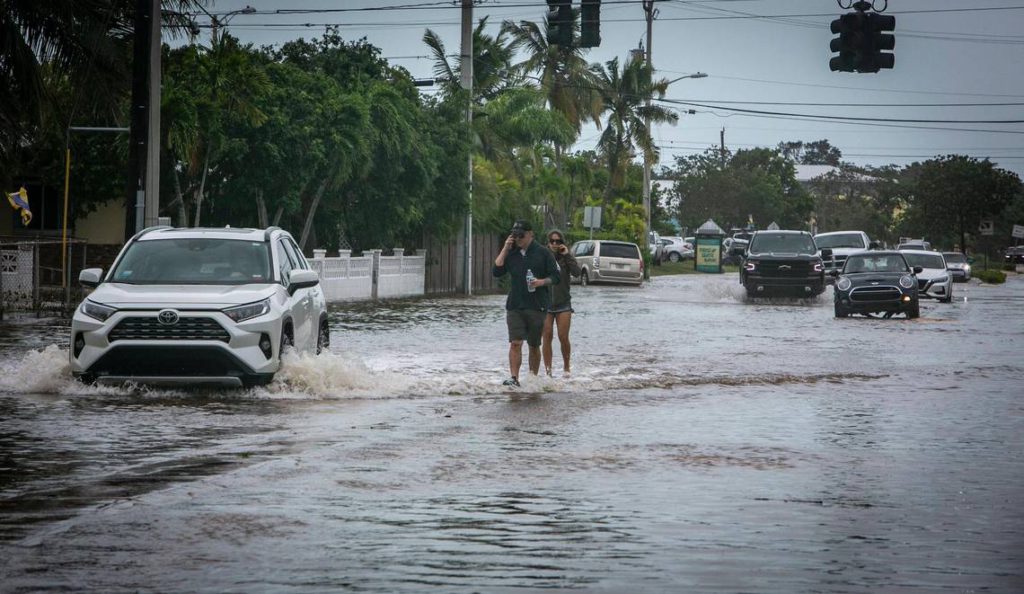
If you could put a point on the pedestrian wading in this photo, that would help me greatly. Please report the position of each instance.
(532, 269)
(560, 312)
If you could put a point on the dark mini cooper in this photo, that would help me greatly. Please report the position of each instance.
(876, 283)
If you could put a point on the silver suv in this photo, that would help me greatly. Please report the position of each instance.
(198, 306)
(604, 261)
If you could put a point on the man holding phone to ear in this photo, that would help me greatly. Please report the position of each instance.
(532, 269)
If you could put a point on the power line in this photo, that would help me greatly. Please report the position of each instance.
(839, 118)
(860, 104)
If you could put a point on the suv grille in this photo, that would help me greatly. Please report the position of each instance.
(148, 328)
(875, 294)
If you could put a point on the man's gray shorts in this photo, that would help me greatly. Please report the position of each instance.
(525, 324)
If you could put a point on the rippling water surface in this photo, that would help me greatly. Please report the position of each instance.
(702, 443)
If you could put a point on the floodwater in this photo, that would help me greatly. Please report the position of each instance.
(702, 444)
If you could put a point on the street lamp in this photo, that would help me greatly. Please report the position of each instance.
(647, 161)
(222, 21)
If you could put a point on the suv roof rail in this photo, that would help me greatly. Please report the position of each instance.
(148, 229)
(266, 235)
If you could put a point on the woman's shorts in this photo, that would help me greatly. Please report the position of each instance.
(565, 307)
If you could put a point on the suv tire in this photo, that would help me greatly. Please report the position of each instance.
(674, 257)
(323, 338)
(584, 279)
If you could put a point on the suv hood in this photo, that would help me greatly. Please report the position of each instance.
(179, 296)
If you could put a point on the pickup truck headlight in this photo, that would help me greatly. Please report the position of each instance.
(906, 281)
(97, 311)
(750, 266)
(248, 311)
(843, 284)
(818, 267)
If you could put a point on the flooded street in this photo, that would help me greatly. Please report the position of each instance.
(703, 443)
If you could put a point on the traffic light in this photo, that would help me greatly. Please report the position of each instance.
(560, 22)
(862, 42)
(849, 44)
(880, 42)
(590, 23)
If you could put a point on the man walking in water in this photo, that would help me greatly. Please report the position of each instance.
(532, 269)
(560, 311)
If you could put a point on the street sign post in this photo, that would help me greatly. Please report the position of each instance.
(592, 218)
(986, 227)
(1018, 231)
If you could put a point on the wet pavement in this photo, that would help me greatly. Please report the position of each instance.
(703, 443)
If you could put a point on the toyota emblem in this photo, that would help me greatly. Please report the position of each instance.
(167, 317)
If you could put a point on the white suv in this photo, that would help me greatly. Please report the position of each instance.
(198, 307)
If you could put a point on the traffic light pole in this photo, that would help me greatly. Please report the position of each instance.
(467, 84)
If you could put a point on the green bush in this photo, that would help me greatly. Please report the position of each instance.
(1010, 267)
(994, 277)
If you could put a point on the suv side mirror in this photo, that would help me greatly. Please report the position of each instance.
(91, 277)
(302, 279)
(918, 270)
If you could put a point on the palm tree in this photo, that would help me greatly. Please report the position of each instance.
(625, 94)
(492, 69)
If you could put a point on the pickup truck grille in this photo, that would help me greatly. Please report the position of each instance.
(792, 268)
(148, 328)
(875, 294)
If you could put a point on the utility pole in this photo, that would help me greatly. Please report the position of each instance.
(466, 245)
(152, 203)
(138, 155)
(721, 148)
(645, 241)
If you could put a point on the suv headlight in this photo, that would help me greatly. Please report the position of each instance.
(906, 281)
(843, 284)
(97, 311)
(248, 311)
(941, 279)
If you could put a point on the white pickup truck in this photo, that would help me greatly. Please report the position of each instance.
(842, 244)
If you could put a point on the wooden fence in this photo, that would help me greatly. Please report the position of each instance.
(444, 267)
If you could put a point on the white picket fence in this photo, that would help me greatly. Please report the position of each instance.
(371, 276)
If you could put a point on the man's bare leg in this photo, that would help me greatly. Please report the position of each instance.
(515, 357)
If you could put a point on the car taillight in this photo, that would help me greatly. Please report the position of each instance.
(597, 262)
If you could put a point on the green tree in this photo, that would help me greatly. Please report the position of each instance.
(951, 195)
(819, 152)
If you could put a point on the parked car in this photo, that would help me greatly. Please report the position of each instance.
(1014, 255)
(675, 249)
(198, 306)
(606, 261)
(876, 282)
(783, 263)
(913, 244)
(842, 244)
(958, 265)
(655, 247)
(735, 247)
(933, 280)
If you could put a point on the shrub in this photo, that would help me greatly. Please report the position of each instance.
(1010, 267)
(994, 277)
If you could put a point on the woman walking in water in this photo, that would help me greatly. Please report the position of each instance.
(560, 311)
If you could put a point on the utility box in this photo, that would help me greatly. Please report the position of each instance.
(707, 251)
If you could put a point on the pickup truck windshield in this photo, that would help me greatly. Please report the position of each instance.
(789, 243)
(840, 240)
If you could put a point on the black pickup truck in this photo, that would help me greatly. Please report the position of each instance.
(783, 263)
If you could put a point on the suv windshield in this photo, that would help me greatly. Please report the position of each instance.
(886, 263)
(925, 260)
(782, 243)
(841, 240)
(199, 261)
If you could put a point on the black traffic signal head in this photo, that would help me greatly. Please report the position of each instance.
(590, 23)
(862, 42)
(560, 22)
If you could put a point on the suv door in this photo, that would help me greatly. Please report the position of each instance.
(297, 302)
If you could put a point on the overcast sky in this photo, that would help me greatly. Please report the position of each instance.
(955, 61)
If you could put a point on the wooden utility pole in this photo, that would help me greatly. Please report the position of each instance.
(645, 241)
(466, 244)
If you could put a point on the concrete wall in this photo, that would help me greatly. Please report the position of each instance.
(105, 225)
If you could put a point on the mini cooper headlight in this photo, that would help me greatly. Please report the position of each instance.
(906, 281)
(843, 284)
(97, 311)
(248, 311)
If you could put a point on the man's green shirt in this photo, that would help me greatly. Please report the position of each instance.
(538, 259)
